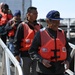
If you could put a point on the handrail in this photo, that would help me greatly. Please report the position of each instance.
(9, 55)
(69, 72)
(72, 54)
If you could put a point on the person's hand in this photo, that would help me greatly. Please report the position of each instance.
(46, 63)
(66, 64)
(13, 25)
(18, 58)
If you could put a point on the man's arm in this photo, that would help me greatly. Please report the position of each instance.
(33, 51)
(17, 39)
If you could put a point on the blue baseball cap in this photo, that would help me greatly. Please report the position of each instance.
(17, 12)
(53, 15)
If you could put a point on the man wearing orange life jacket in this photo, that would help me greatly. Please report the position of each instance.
(3, 15)
(11, 28)
(4, 18)
(3, 7)
(50, 47)
(23, 40)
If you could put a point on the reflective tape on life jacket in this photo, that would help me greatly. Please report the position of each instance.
(28, 37)
(51, 49)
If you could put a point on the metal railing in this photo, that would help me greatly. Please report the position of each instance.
(8, 56)
(72, 54)
(6, 59)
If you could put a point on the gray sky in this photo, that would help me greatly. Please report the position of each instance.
(65, 7)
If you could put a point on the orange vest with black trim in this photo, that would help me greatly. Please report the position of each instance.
(4, 19)
(28, 36)
(51, 49)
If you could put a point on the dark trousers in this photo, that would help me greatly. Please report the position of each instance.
(51, 74)
(29, 66)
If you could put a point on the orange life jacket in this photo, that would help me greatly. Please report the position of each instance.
(4, 19)
(28, 36)
(51, 49)
(12, 32)
(10, 16)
